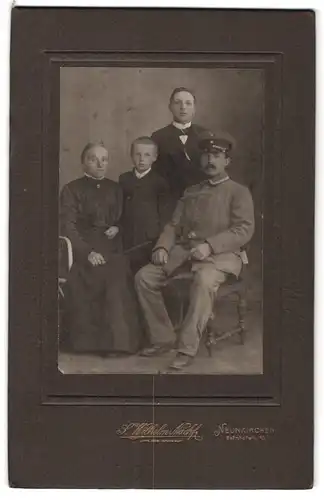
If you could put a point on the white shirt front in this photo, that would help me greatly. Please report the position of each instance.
(183, 138)
(140, 175)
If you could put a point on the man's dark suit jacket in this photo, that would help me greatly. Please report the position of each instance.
(178, 170)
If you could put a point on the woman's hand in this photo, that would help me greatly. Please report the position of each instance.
(160, 257)
(111, 232)
(96, 259)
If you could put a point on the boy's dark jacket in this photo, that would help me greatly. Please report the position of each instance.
(145, 207)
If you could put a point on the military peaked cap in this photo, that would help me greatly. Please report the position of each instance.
(210, 142)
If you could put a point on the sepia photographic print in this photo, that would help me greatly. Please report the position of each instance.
(160, 227)
(161, 248)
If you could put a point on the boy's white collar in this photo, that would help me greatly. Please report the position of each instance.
(140, 175)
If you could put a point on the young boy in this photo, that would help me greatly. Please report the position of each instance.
(145, 195)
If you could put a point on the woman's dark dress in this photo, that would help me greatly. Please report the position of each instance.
(100, 300)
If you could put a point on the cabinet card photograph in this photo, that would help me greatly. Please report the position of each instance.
(160, 226)
(161, 295)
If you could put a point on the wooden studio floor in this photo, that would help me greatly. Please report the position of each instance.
(229, 356)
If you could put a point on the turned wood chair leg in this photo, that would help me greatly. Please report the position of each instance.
(241, 309)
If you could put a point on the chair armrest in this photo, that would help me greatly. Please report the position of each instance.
(69, 250)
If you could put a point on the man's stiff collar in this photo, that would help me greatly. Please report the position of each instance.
(181, 126)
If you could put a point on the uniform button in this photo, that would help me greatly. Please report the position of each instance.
(192, 235)
(98, 186)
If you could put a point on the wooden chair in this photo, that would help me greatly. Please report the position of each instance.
(65, 263)
(235, 287)
(232, 287)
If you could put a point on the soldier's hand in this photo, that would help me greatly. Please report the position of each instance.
(111, 232)
(160, 257)
(96, 259)
(201, 251)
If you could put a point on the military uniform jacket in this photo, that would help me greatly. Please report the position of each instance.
(221, 214)
(179, 163)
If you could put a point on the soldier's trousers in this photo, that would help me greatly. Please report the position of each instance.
(205, 281)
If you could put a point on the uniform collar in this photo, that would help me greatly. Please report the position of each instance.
(220, 181)
(140, 175)
(181, 126)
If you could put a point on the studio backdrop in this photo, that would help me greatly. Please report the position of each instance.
(117, 104)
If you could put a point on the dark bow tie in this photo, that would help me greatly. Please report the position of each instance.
(185, 131)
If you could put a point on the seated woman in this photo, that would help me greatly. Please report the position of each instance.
(100, 300)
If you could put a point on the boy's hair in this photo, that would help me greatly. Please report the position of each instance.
(143, 140)
(181, 89)
(89, 146)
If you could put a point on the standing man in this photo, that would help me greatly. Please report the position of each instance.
(211, 222)
(178, 159)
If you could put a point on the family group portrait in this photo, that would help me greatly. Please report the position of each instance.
(160, 220)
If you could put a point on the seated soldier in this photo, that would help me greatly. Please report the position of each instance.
(210, 224)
